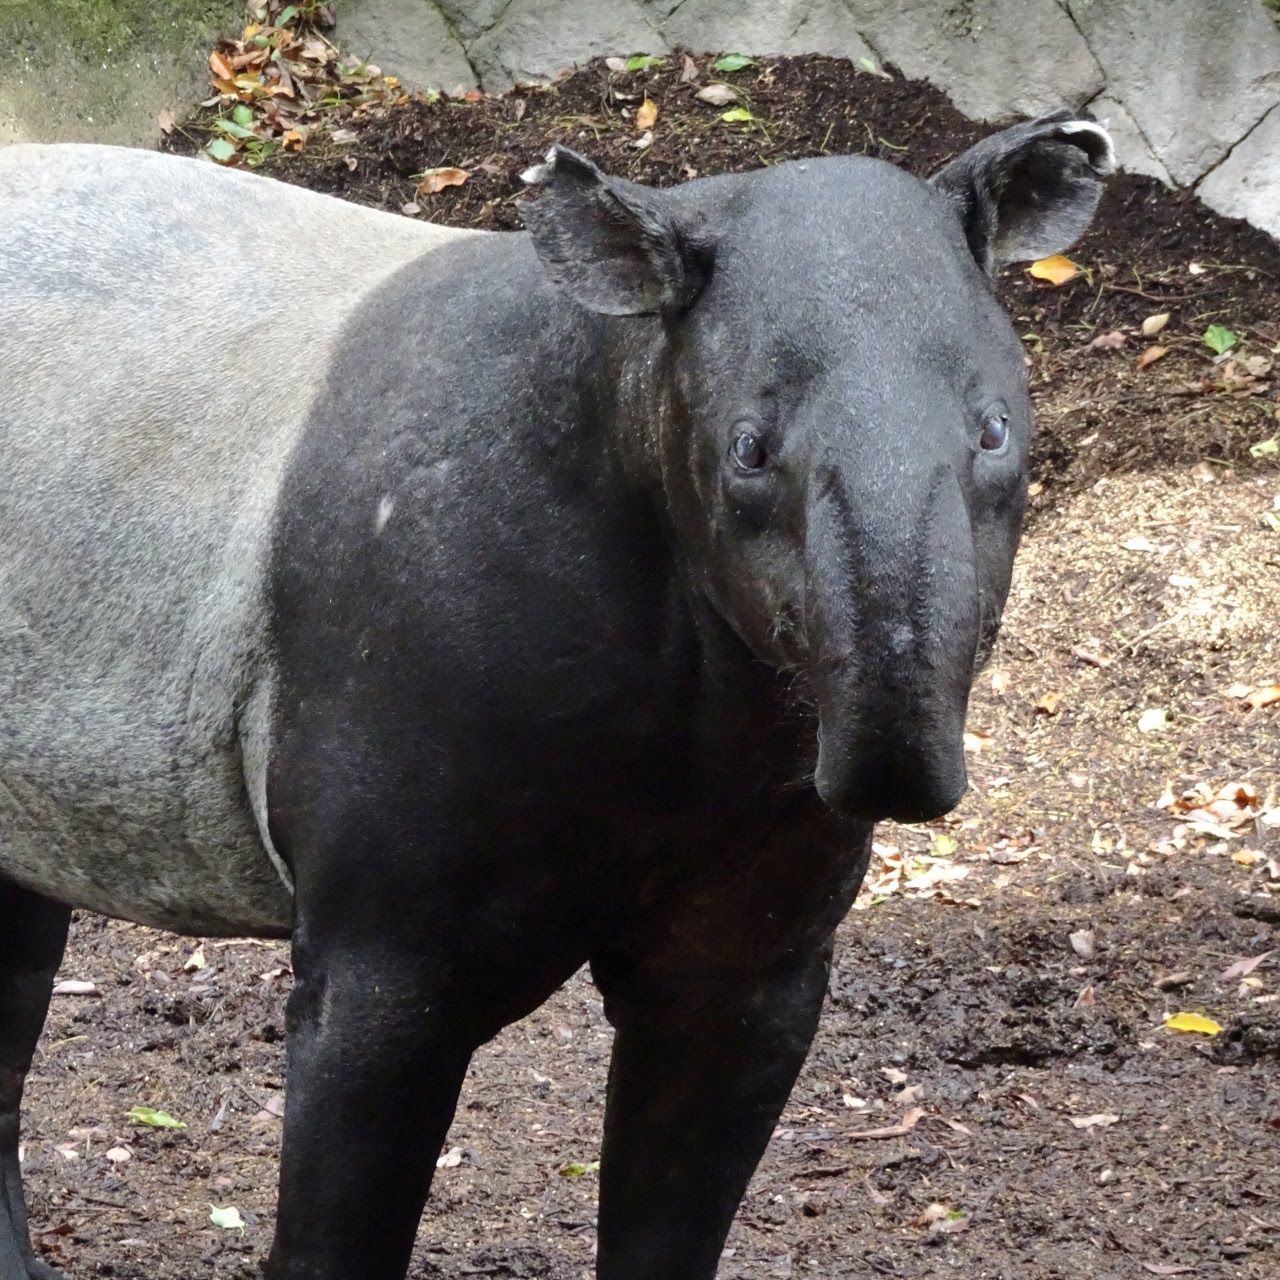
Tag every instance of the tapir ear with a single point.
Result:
(612, 246)
(1029, 191)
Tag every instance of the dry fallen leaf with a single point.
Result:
(1151, 355)
(1112, 341)
(616, 64)
(221, 67)
(165, 120)
(451, 1159)
(118, 1155)
(1263, 696)
(1048, 705)
(689, 71)
(1153, 324)
(1153, 720)
(75, 987)
(647, 115)
(1243, 967)
(909, 1122)
(975, 740)
(1057, 270)
(1095, 1122)
(1195, 1022)
(434, 180)
(718, 95)
(1139, 544)
(1083, 943)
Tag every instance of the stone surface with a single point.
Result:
(1247, 183)
(470, 17)
(408, 38)
(785, 26)
(535, 38)
(102, 72)
(1133, 151)
(1195, 76)
(995, 59)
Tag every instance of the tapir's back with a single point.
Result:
(163, 326)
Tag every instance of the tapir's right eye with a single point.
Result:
(748, 451)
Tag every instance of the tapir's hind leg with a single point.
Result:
(33, 933)
(702, 1065)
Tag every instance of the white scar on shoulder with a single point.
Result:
(386, 505)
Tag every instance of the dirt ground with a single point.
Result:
(1000, 998)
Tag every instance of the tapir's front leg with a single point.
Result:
(702, 1065)
(411, 947)
(373, 1076)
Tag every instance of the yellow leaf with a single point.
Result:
(647, 115)
(1193, 1022)
(434, 180)
(220, 66)
(1056, 270)
(1048, 705)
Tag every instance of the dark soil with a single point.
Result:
(1008, 972)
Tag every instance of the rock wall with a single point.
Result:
(1191, 88)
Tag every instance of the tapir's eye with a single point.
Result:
(995, 431)
(748, 451)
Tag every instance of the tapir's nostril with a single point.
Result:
(888, 784)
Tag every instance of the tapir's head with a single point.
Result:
(842, 420)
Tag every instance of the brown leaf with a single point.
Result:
(1264, 696)
(165, 120)
(221, 67)
(909, 1122)
(689, 72)
(434, 180)
(1151, 355)
(647, 114)
(718, 95)
(1048, 705)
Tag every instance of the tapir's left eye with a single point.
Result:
(995, 431)
(748, 451)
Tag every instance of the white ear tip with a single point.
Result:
(538, 174)
(1106, 162)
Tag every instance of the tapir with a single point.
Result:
(469, 607)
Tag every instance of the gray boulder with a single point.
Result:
(1194, 76)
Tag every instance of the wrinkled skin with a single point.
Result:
(612, 581)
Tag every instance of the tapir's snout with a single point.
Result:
(879, 776)
(898, 618)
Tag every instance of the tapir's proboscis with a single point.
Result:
(471, 607)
